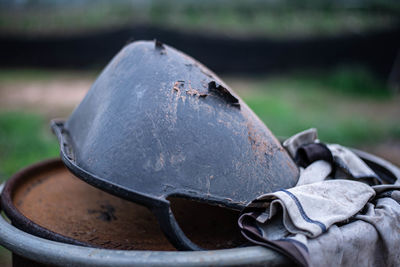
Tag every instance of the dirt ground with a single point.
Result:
(53, 98)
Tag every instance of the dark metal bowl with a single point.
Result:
(158, 124)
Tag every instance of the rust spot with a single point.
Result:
(194, 92)
(178, 85)
(223, 93)
(135, 227)
(259, 143)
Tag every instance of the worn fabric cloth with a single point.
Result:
(309, 153)
(293, 143)
(327, 221)
(306, 148)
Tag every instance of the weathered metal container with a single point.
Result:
(35, 240)
(47, 201)
(158, 124)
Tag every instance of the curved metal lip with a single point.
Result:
(21, 221)
(60, 254)
(27, 225)
(160, 206)
(123, 192)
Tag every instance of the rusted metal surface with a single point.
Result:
(30, 249)
(46, 200)
(156, 125)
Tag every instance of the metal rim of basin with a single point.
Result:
(61, 254)
(33, 215)
(60, 250)
(17, 218)
(57, 253)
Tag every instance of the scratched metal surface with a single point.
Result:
(158, 123)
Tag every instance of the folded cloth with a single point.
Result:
(325, 221)
(350, 164)
(305, 147)
(309, 153)
(312, 208)
(315, 172)
(292, 144)
(371, 238)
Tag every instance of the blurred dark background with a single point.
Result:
(333, 65)
(229, 36)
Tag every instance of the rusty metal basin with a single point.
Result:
(58, 220)
(78, 251)
(46, 200)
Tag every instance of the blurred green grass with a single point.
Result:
(24, 139)
(286, 118)
(276, 18)
(348, 105)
